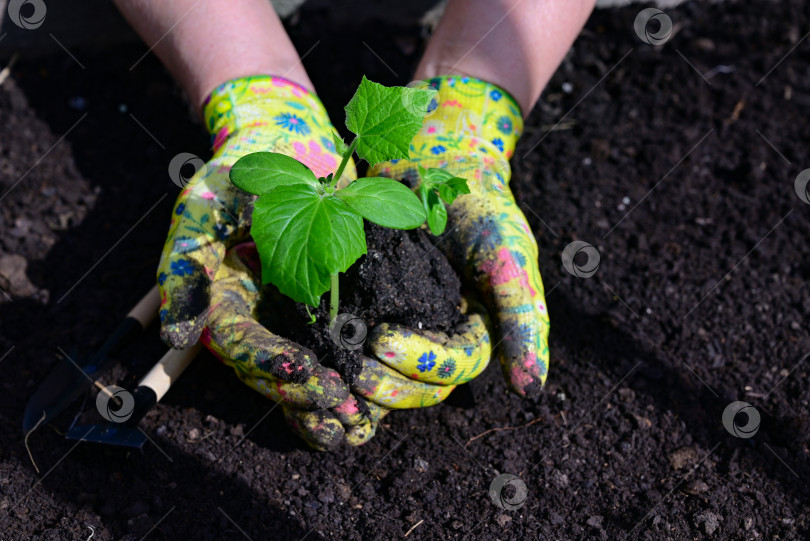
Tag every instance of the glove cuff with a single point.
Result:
(271, 113)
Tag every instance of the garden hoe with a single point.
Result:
(123, 417)
(68, 380)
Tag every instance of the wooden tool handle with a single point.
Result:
(168, 369)
(147, 308)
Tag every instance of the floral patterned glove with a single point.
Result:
(417, 371)
(203, 291)
(379, 388)
(472, 133)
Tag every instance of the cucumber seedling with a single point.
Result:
(306, 229)
(439, 187)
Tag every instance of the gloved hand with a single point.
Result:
(435, 362)
(472, 133)
(210, 285)
(200, 295)
(417, 370)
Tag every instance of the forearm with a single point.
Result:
(204, 43)
(515, 44)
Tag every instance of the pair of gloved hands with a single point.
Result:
(209, 271)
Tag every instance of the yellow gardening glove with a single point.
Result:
(472, 133)
(205, 292)
(417, 380)
(417, 371)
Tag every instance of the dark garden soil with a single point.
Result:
(677, 163)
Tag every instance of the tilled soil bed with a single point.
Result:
(676, 162)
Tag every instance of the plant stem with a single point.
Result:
(343, 163)
(334, 297)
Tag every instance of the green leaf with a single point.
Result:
(459, 185)
(437, 216)
(449, 193)
(384, 201)
(340, 147)
(261, 172)
(435, 175)
(302, 238)
(385, 119)
(423, 194)
(449, 185)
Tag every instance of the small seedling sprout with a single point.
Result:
(307, 230)
(437, 188)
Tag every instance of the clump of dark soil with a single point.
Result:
(403, 278)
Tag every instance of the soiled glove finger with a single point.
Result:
(472, 134)
(251, 114)
(434, 357)
(355, 410)
(279, 368)
(360, 419)
(361, 433)
(323, 389)
(320, 429)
